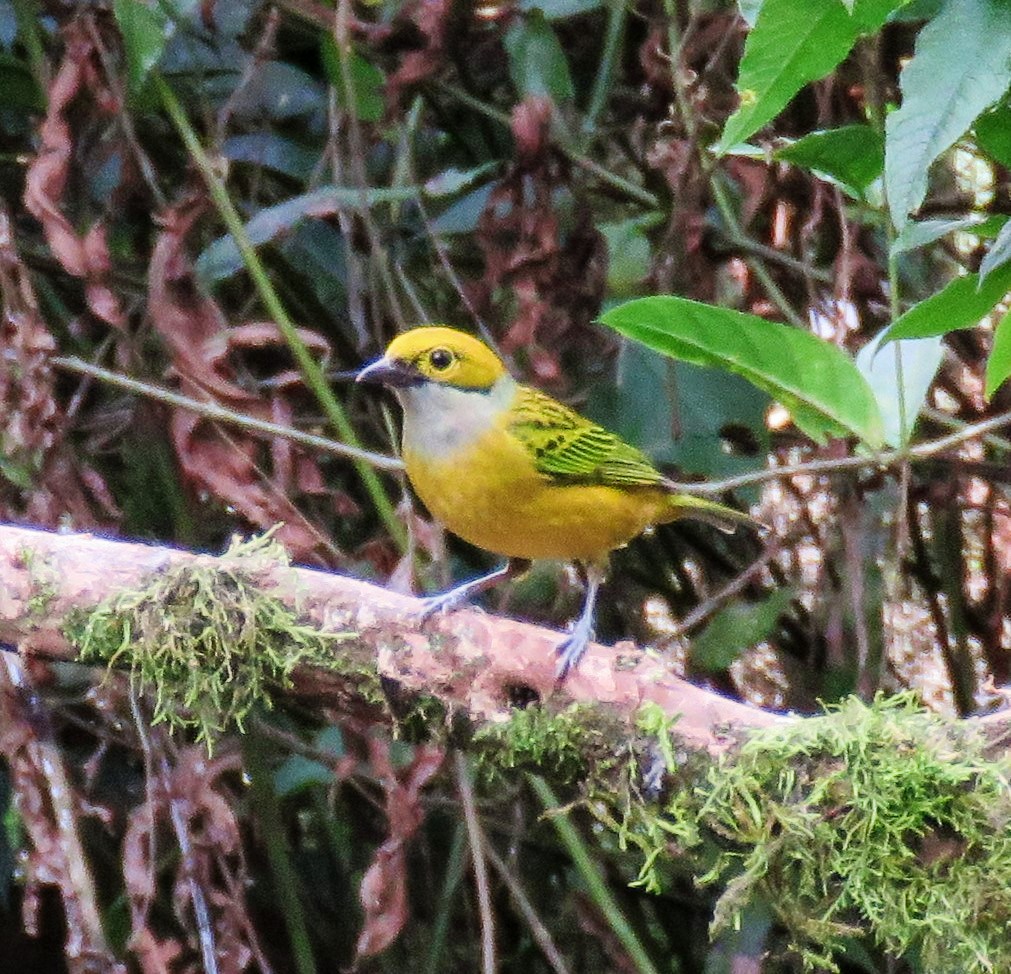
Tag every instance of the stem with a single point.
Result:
(309, 367)
(595, 883)
(267, 810)
(455, 866)
(605, 74)
(476, 838)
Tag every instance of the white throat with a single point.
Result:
(440, 420)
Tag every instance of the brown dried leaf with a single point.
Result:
(383, 892)
(531, 127)
(430, 21)
(86, 257)
(32, 424)
(203, 346)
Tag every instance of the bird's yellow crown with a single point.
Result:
(447, 356)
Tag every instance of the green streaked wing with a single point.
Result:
(568, 447)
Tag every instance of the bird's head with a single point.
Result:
(437, 355)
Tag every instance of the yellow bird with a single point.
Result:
(515, 472)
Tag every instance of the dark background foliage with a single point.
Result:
(517, 169)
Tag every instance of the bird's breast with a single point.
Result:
(489, 492)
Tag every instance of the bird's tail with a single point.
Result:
(718, 515)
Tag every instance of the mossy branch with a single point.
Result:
(882, 820)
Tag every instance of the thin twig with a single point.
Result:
(703, 610)
(878, 461)
(213, 411)
(381, 461)
(477, 851)
(590, 870)
(539, 932)
(201, 911)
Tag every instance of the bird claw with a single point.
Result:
(571, 649)
(437, 604)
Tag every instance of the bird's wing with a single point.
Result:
(569, 448)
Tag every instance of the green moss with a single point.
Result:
(43, 582)
(426, 718)
(886, 821)
(559, 746)
(204, 641)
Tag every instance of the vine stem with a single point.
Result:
(309, 367)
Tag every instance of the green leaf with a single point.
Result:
(629, 252)
(919, 233)
(921, 359)
(998, 254)
(998, 365)
(221, 258)
(961, 66)
(816, 381)
(737, 628)
(298, 772)
(853, 156)
(681, 414)
(462, 215)
(272, 151)
(280, 92)
(963, 303)
(450, 181)
(993, 133)
(19, 87)
(794, 42)
(367, 99)
(537, 63)
(142, 26)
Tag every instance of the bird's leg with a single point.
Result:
(456, 597)
(570, 650)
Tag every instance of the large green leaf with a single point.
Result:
(998, 365)
(961, 66)
(794, 42)
(963, 303)
(816, 381)
(852, 156)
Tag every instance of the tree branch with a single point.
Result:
(470, 661)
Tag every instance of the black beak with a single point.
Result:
(392, 373)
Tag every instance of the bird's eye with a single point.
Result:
(440, 359)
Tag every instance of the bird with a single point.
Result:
(514, 471)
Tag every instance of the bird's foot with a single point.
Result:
(444, 602)
(571, 649)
